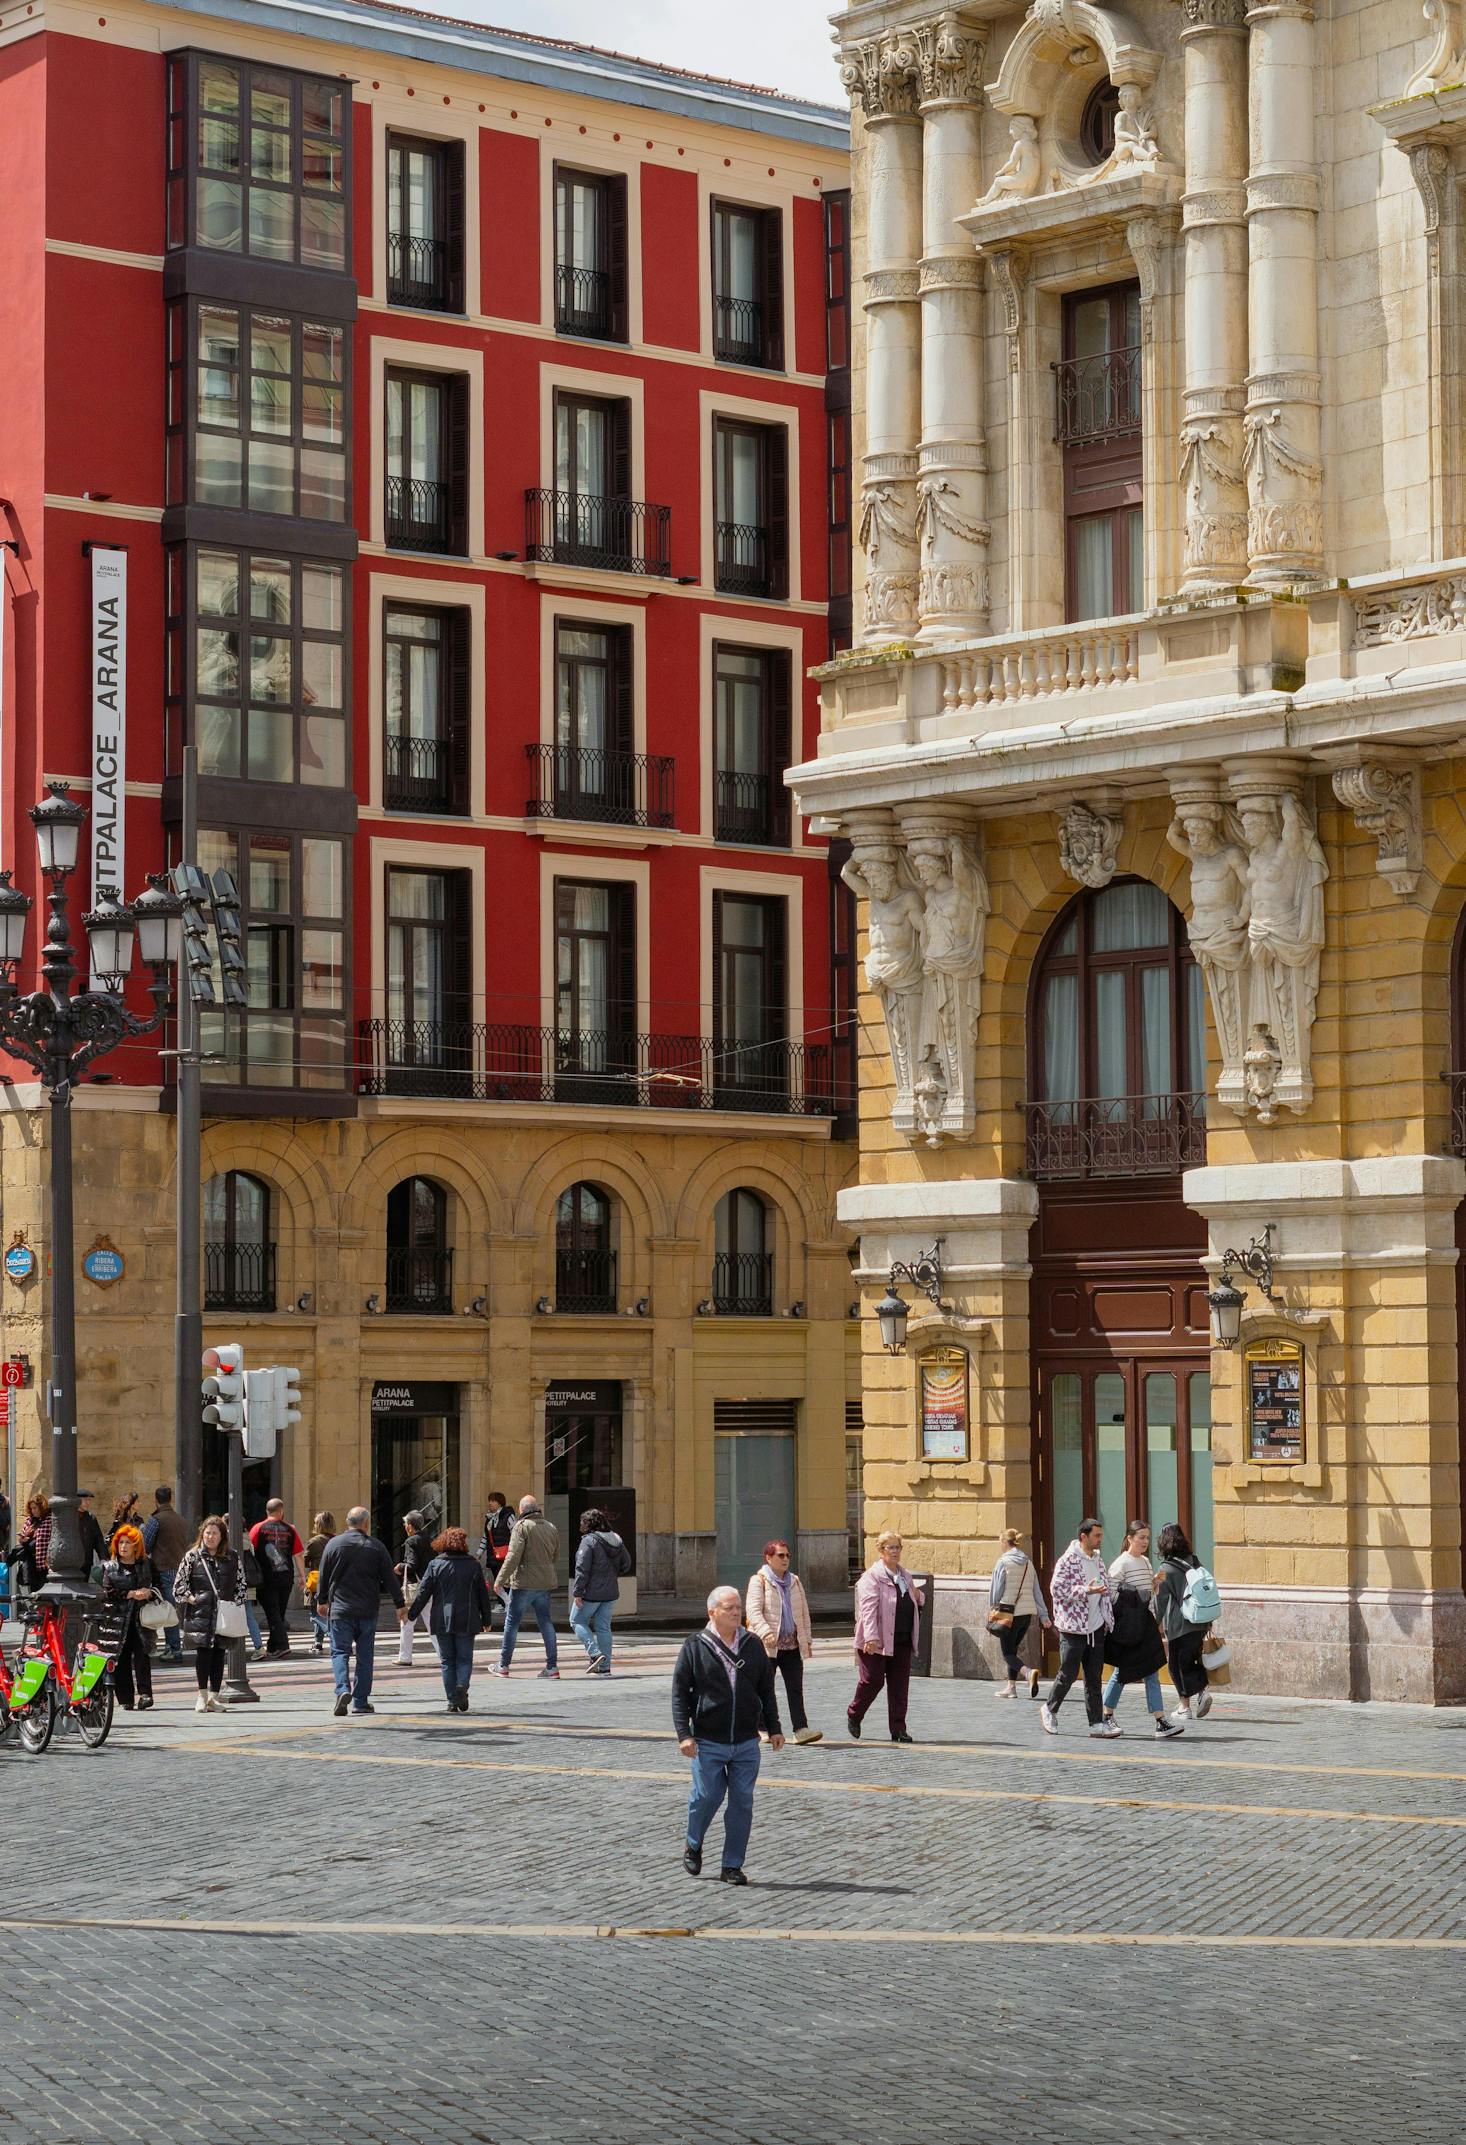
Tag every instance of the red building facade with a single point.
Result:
(470, 409)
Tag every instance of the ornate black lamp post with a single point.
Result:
(60, 1034)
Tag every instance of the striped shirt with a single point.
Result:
(1132, 1571)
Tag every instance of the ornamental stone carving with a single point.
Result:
(949, 587)
(927, 906)
(1446, 60)
(1215, 492)
(950, 58)
(881, 74)
(1384, 797)
(1436, 607)
(1009, 265)
(1088, 842)
(1286, 871)
(1215, 14)
(936, 508)
(1284, 513)
(1205, 833)
(1017, 178)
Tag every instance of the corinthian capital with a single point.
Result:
(1214, 14)
(883, 74)
(950, 54)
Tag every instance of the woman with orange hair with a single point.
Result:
(455, 1595)
(127, 1582)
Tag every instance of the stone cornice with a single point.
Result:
(1075, 211)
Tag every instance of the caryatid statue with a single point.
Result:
(1220, 905)
(955, 892)
(1286, 870)
(878, 874)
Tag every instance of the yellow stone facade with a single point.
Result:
(330, 1181)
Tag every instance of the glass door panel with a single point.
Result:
(1203, 1529)
(1162, 1484)
(1066, 1447)
(1111, 1485)
(753, 1498)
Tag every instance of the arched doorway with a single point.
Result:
(1117, 1059)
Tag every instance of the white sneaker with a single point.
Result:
(1203, 1705)
(1006, 1690)
(201, 1703)
(1181, 1713)
(1110, 1727)
(804, 1735)
(213, 1703)
(1050, 1725)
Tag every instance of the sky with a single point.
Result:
(777, 44)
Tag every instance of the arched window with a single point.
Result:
(1117, 1040)
(743, 1265)
(239, 1257)
(585, 1256)
(419, 1263)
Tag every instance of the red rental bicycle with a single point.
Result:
(27, 1702)
(83, 1684)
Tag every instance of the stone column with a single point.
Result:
(951, 513)
(1282, 425)
(883, 73)
(1215, 228)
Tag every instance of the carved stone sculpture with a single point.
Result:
(879, 875)
(1385, 801)
(954, 929)
(1220, 898)
(1017, 178)
(1088, 841)
(1446, 60)
(1286, 870)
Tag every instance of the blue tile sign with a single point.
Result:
(20, 1261)
(104, 1263)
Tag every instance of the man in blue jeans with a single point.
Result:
(355, 1573)
(524, 1581)
(722, 1694)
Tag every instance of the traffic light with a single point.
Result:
(224, 1387)
(287, 1396)
(261, 1423)
(232, 971)
(192, 889)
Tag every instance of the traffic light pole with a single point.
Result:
(237, 1690)
(188, 1324)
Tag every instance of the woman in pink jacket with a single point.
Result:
(888, 1606)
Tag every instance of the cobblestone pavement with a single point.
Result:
(418, 1927)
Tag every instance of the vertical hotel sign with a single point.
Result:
(109, 718)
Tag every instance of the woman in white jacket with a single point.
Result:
(777, 1613)
(1015, 1594)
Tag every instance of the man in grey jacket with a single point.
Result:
(524, 1581)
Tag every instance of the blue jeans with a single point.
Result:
(254, 1626)
(528, 1601)
(591, 1622)
(721, 1769)
(360, 1632)
(320, 1625)
(455, 1658)
(173, 1639)
(1152, 1692)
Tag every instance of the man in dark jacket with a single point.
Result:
(601, 1562)
(722, 1694)
(165, 1538)
(93, 1541)
(498, 1527)
(417, 1555)
(355, 1573)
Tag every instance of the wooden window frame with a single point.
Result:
(186, 168)
(185, 427)
(605, 323)
(1103, 477)
(454, 652)
(739, 569)
(765, 349)
(443, 291)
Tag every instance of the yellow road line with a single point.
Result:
(809, 1786)
(1170, 1939)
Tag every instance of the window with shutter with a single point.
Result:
(748, 284)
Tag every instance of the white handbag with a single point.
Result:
(158, 1615)
(230, 1621)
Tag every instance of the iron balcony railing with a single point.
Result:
(751, 808)
(1097, 398)
(738, 331)
(583, 302)
(239, 1277)
(585, 529)
(744, 562)
(420, 273)
(419, 775)
(620, 789)
(420, 515)
(585, 1281)
(1116, 1136)
(1458, 1111)
(743, 1284)
(419, 1280)
(505, 1062)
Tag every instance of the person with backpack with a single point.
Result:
(1084, 1611)
(1187, 1603)
(1014, 1599)
(276, 1546)
(1133, 1651)
(601, 1562)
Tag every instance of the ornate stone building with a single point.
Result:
(1148, 753)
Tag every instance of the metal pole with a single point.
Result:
(67, 1563)
(188, 1325)
(237, 1689)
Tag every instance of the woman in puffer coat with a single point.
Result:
(211, 1572)
(595, 1587)
(127, 1582)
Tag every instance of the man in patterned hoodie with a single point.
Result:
(1084, 1610)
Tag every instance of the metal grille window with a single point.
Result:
(590, 254)
(750, 1017)
(585, 1256)
(425, 694)
(427, 461)
(743, 1263)
(748, 284)
(257, 403)
(293, 905)
(258, 161)
(239, 1257)
(751, 509)
(260, 647)
(419, 1261)
(1097, 422)
(425, 224)
(751, 716)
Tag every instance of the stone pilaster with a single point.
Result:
(1282, 426)
(951, 512)
(1215, 228)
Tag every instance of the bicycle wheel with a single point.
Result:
(37, 1721)
(94, 1717)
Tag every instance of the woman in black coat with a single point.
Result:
(209, 1573)
(455, 1595)
(127, 1582)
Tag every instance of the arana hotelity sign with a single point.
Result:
(109, 720)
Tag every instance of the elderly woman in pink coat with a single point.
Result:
(888, 1606)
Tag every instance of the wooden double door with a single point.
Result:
(1122, 1383)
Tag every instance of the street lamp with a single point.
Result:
(924, 1272)
(59, 1033)
(1226, 1299)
